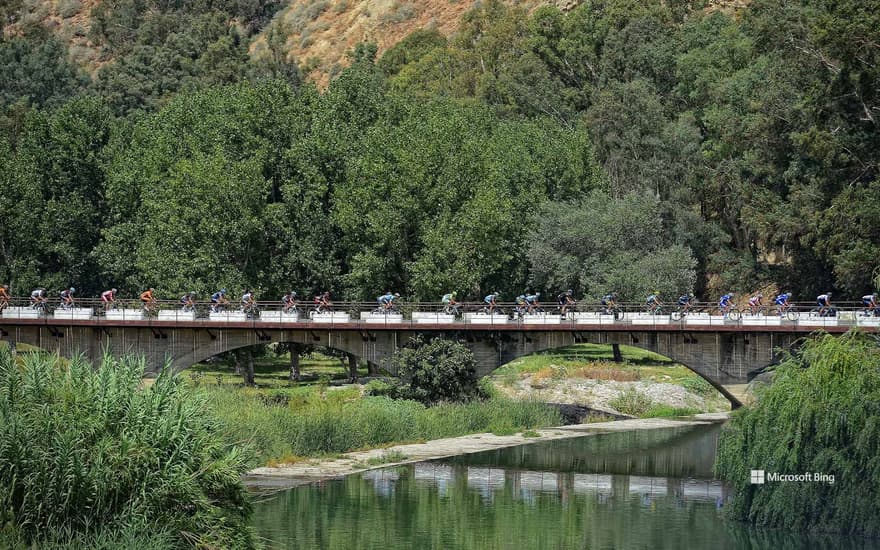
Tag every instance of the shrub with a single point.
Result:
(820, 414)
(440, 370)
(86, 452)
(632, 402)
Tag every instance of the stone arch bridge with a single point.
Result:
(724, 354)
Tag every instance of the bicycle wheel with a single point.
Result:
(791, 315)
(618, 314)
(734, 315)
(676, 315)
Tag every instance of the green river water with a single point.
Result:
(645, 489)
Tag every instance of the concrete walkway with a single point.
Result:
(317, 469)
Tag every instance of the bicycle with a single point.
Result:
(654, 309)
(251, 311)
(824, 311)
(787, 312)
(452, 309)
(614, 310)
(151, 308)
(732, 314)
(567, 311)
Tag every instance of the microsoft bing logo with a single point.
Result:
(757, 477)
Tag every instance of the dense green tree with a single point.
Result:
(437, 371)
(35, 71)
(602, 244)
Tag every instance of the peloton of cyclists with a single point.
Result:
(870, 303)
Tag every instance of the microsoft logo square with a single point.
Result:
(757, 477)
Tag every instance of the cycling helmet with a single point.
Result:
(454, 294)
(72, 289)
(192, 292)
(113, 290)
(397, 295)
(293, 293)
(760, 295)
(569, 292)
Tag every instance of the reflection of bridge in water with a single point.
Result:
(720, 350)
(669, 463)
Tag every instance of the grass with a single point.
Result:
(386, 458)
(87, 453)
(327, 422)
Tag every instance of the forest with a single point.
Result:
(628, 145)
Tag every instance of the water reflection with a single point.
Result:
(617, 491)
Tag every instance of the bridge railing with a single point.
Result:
(432, 313)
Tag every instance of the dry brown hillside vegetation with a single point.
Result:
(320, 32)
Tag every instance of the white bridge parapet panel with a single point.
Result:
(21, 313)
(124, 314)
(864, 321)
(432, 317)
(73, 313)
(228, 316)
(380, 318)
(334, 317)
(486, 319)
(594, 318)
(177, 315)
(649, 319)
(541, 319)
(279, 317)
(704, 319)
(810, 320)
(761, 320)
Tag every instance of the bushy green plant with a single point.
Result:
(85, 452)
(438, 370)
(820, 414)
(632, 402)
(382, 388)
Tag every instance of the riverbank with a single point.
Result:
(308, 471)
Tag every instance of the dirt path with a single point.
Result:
(359, 461)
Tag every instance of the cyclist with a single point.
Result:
(653, 303)
(725, 304)
(782, 303)
(491, 301)
(188, 302)
(532, 302)
(684, 302)
(521, 305)
(322, 302)
(450, 306)
(289, 302)
(4, 297)
(39, 298)
(869, 301)
(148, 299)
(67, 298)
(565, 301)
(386, 301)
(824, 301)
(756, 302)
(609, 303)
(248, 304)
(108, 298)
(219, 301)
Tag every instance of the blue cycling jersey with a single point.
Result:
(725, 300)
(489, 299)
(385, 298)
(867, 299)
(216, 296)
(822, 299)
(684, 300)
(651, 299)
(531, 298)
(781, 299)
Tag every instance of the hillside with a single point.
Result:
(320, 32)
